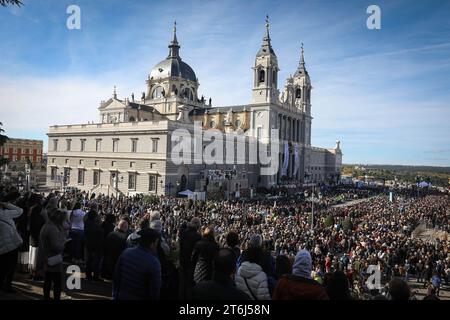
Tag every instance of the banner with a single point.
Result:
(286, 159)
(296, 158)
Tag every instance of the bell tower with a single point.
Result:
(265, 72)
(302, 96)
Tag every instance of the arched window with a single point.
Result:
(309, 94)
(261, 76)
(132, 119)
(174, 90)
(298, 93)
(212, 124)
(274, 78)
(157, 92)
(187, 94)
(237, 123)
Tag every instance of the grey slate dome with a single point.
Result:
(172, 65)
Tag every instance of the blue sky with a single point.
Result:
(384, 93)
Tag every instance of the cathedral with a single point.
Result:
(130, 150)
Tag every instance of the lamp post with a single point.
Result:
(116, 182)
(27, 176)
(418, 181)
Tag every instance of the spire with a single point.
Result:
(174, 32)
(267, 36)
(302, 58)
(174, 46)
(301, 66)
(266, 47)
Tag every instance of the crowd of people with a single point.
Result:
(170, 248)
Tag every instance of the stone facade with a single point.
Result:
(130, 149)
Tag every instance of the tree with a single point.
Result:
(347, 225)
(329, 221)
(4, 3)
(150, 199)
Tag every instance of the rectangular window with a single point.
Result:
(80, 176)
(83, 144)
(55, 144)
(68, 143)
(67, 161)
(132, 181)
(134, 145)
(115, 145)
(98, 145)
(155, 145)
(132, 164)
(53, 160)
(81, 162)
(53, 174)
(96, 178)
(152, 183)
(96, 163)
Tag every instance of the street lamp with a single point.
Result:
(116, 183)
(27, 176)
(63, 180)
(418, 181)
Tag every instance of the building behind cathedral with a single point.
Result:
(129, 150)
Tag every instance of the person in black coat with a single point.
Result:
(222, 285)
(188, 238)
(203, 256)
(35, 223)
(116, 243)
(169, 276)
(93, 245)
(108, 224)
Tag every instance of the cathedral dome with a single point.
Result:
(172, 66)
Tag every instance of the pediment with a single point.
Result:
(112, 104)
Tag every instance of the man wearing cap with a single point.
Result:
(138, 271)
